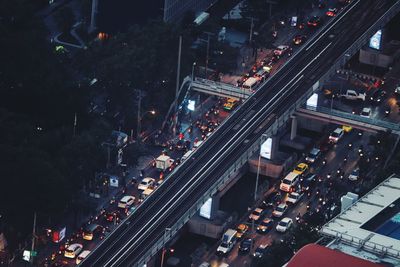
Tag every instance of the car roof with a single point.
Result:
(75, 245)
(294, 194)
(282, 205)
(147, 179)
(302, 164)
(258, 209)
(282, 46)
(315, 150)
(267, 220)
(127, 197)
(338, 130)
(286, 219)
(366, 109)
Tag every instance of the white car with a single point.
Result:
(281, 50)
(126, 201)
(280, 210)
(146, 183)
(197, 144)
(336, 135)
(256, 214)
(285, 224)
(354, 175)
(82, 256)
(73, 250)
(294, 197)
(366, 113)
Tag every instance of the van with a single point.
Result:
(82, 256)
(290, 181)
(251, 83)
(336, 135)
(187, 155)
(92, 231)
(228, 242)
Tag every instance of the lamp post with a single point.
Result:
(164, 249)
(139, 122)
(194, 64)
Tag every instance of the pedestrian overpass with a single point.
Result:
(220, 89)
(340, 117)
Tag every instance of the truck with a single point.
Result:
(163, 162)
(353, 95)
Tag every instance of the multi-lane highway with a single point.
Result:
(136, 236)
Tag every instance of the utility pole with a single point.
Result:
(178, 70)
(139, 125)
(208, 53)
(33, 237)
(251, 30)
(75, 122)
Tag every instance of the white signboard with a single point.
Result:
(312, 101)
(205, 210)
(266, 147)
(191, 105)
(293, 22)
(26, 255)
(376, 40)
(62, 234)
(113, 181)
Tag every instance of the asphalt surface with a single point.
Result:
(136, 235)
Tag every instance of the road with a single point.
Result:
(136, 235)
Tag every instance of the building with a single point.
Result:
(370, 228)
(175, 10)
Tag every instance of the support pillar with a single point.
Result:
(274, 146)
(293, 130)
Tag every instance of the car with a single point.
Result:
(313, 155)
(92, 231)
(366, 113)
(82, 256)
(336, 135)
(294, 197)
(314, 21)
(281, 50)
(354, 175)
(265, 225)
(347, 128)
(284, 225)
(126, 201)
(256, 214)
(307, 182)
(113, 216)
(260, 251)
(299, 39)
(146, 183)
(230, 104)
(241, 230)
(331, 12)
(73, 250)
(301, 168)
(246, 245)
(280, 210)
(377, 96)
(274, 198)
(198, 144)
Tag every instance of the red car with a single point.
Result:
(315, 21)
(331, 12)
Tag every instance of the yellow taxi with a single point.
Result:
(241, 230)
(301, 168)
(347, 128)
(230, 104)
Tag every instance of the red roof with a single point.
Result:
(313, 255)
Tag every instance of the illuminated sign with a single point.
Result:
(293, 22)
(312, 101)
(266, 148)
(376, 40)
(205, 210)
(26, 256)
(191, 105)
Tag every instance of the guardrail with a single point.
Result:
(220, 89)
(374, 124)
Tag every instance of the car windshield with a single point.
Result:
(281, 223)
(265, 223)
(299, 168)
(335, 134)
(293, 196)
(280, 208)
(365, 113)
(224, 245)
(256, 212)
(247, 242)
(286, 181)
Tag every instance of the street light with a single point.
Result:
(166, 230)
(194, 64)
(139, 122)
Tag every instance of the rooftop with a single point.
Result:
(358, 226)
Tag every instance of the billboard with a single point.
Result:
(312, 101)
(191, 105)
(205, 210)
(375, 41)
(266, 148)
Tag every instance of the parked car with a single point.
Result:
(265, 225)
(126, 201)
(353, 95)
(366, 113)
(246, 245)
(73, 250)
(284, 225)
(280, 210)
(146, 183)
